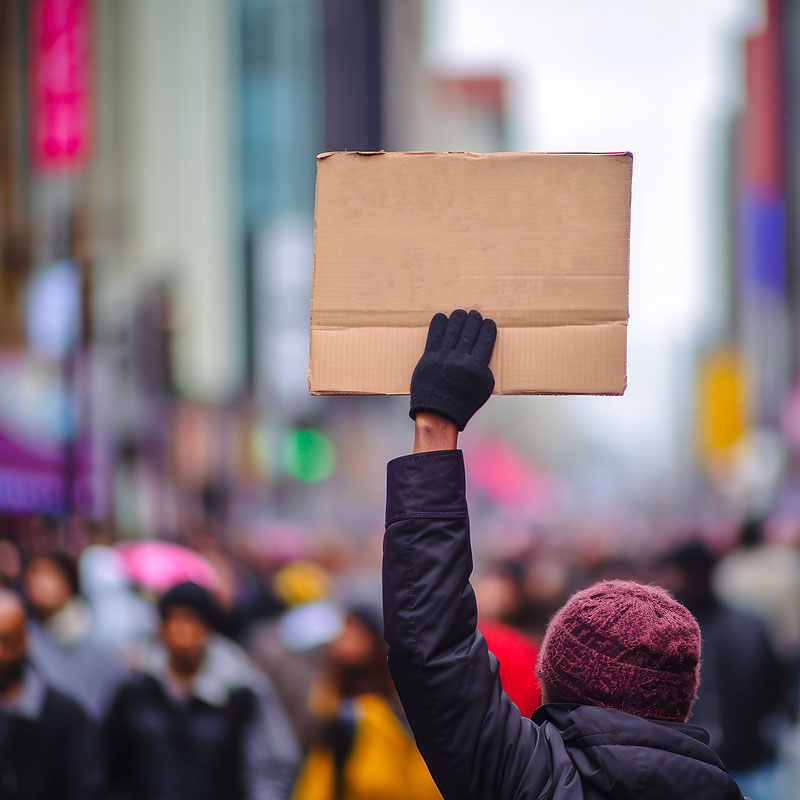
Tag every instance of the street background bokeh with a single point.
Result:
(157, 166)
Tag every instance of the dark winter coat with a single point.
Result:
(49, 748)
(161, 749)
(228, 738)
(476, 743)
(742, 683)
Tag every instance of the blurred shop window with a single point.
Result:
(53, 310)
(283, 286)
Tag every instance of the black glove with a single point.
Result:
(453, 377)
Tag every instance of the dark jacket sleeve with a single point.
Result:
(473, 738)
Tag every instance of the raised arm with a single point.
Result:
(473, 738)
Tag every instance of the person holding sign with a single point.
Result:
(618, 666)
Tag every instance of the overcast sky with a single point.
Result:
(659, 78)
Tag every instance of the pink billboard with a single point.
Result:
(60, 84)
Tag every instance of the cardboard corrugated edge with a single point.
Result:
(313, 281)
(328, 154)
(629, 155)
(614, 391)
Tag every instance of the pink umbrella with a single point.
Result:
(157, 566)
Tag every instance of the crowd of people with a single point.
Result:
(263, 682)
(272, 681)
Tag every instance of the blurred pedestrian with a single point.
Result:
(618, 665)
(49, 748)
(500, 597)
(123, 619)
(516, 656)
(288, 641)
(744, 684)
(10, 564)
(200, 722)
(763, 578)
(363, 748)
(64, 642)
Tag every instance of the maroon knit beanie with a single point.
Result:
(626, 646)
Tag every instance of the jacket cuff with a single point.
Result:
(426, 484)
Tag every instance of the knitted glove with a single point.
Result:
(453, 377)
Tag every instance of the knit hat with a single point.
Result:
(626, 646)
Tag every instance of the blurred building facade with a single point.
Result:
(762, 300)
(163, 226)
(749, 413)
(166, 179)
(174, 201)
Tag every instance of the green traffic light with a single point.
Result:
(309, 456)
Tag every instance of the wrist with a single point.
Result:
(434, 432)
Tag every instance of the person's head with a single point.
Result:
(689, 571)
(13, 638)
(188, 615)
(625, 646)
(361, 640)
(500, 590)
(50, 581)
(357, 657)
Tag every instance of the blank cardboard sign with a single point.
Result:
(537, 241)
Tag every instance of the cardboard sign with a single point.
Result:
(537, 241)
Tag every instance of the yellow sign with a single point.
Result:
(722, 402)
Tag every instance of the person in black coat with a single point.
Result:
(745, 691)
(49, 749)
(618, 666)
(199, 722)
